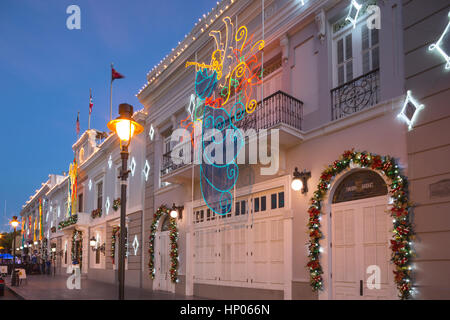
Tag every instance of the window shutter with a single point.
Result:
(348, 56)
(340, 51)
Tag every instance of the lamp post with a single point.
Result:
(125, 127)
(54, 260)
(14, 223)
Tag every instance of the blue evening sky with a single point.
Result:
(47, 70)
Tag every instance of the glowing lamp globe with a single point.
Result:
(35, 243)
(297, 184)
(53, 249)
(14, 223)
(124, 125)
(174, 214)
(92, 242)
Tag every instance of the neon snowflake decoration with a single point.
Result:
(110, 162)
(151, 133)
(438, 45)
(133, 166)
(135, 245)
(146, 170)
(411, 108)
(107, 205)
(353, 13)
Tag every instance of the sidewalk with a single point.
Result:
(43, 287)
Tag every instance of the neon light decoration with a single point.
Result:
(151, 133)
(132, 166)
(135, 245)
(438, 45)
(231, 75)
(72, 188)
(110, 162)
(353, 13)
(146, 170)
(90, 185)
(107, 205)
(411, 108)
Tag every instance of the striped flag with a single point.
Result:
(78, 123)
(91, 103)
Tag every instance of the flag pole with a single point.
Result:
(89, 121)
(110, 97)
(78, 125)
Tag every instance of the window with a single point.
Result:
(100, 195)
(263, 203)
(97, 257)
(281, 200)
(238, 209)
(256, 205)
(273, 201)
(208, 214)
(243, 207)
(356, 52)
(80, 202)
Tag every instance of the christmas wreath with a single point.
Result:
(173, 236)
(116, 204)
(401, 244)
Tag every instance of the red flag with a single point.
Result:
(115, 75)
(91, 104)
(78, 123)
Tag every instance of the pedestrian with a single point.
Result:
(49, 266)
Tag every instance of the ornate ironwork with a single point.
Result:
(356, 95)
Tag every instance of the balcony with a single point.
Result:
(356, 95)
(277, 111)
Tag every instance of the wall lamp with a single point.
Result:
(300, 180)
(93, 244)
(177, 212)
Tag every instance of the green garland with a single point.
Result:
(115, 230)
(97, 213)
(173, 235)
(402, 232)
(116, 204)
(68, 222)
(77, 234)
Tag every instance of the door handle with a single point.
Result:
(361, 288)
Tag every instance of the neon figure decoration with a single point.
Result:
(231, 73)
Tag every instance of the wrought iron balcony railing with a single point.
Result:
(278, 108)
(356, 95)
(274, 109)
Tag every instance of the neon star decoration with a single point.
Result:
(411, 108)
(133, 166)
(151, 133)
(353, 13)
(110, 162)
(438, 45)
(107, 205)
(135, 245)
(146, 170)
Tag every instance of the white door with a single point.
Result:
(162, 273)
(361, 231)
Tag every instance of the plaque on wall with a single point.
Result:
(360, 185)
(440, 189)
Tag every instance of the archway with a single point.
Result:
(167, 248)
(401, 246)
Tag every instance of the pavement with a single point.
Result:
(44, 287)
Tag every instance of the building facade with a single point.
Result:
(330, 81)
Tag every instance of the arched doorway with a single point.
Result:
(361, 229)
(162, 257)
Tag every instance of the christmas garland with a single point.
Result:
(97, 213)
(116, 204)
(173, 235)
(402, 232)
(115, 230)
(77, 234)
(70, 221)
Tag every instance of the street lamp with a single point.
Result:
(14, 223)
(300, 181)
(125, 127)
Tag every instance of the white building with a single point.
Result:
(330, 85)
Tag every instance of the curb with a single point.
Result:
(15, 293)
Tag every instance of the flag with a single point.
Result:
(115, 75)
(78, 123)
(91, 104)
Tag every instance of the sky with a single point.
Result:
(46, 71)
